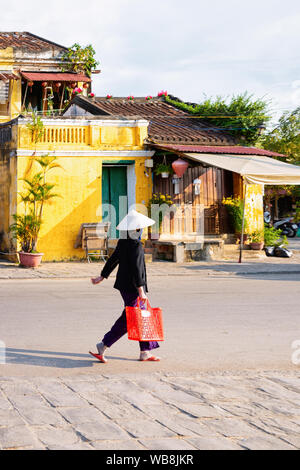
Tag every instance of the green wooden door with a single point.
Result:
(114, 185)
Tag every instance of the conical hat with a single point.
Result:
(134, 220)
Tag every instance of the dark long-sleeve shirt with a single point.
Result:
(129, 256)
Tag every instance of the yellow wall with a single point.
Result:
(79, 182)
(254, 212)
(6, 63)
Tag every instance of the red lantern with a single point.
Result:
(85, 85)
(180, 166)
(58, 85)
(30, 84)
(44, 84)
(73, 85)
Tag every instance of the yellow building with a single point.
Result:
(101, 159)
(102, 146)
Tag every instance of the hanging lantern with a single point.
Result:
(180, 166)
(30, 84)
(85, 85)
(58, 85)
(73, 85)
(44, 84)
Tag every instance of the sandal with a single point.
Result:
(151, 359)
(99, 357)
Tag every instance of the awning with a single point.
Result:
(55, 77)
(5, 76)
(255, 169)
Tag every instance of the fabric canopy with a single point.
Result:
(255, 169)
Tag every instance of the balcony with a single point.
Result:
(83, 134)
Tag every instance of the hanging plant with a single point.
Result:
(148, 98)
(91, 95)
(163, 169)
(162, 93)
(130, 98)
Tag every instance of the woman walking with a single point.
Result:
(131, 281)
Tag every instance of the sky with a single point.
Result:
(190, 48)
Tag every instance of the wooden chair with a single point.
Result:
(95, 240)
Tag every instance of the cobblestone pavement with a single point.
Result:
(158, 268)
(156, 412)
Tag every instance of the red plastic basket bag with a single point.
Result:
(144, 323)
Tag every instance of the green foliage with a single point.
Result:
(159, 199)
(36, 127)
(163, 168)
(285, 137)
(38, 192)
(274, 237)
(26, 228)
(241, 116)
(79, 59)
(235, 208)
(257, 236)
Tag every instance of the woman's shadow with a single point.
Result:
(60, 360)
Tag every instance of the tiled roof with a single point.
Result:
(137, 107)
(25, 40)
(55, 77)
(167, 124)
(5, 76)
(236, 150)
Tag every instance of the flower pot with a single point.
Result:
(164, 174)
(30, 260)
(257, 245)
(239, 236)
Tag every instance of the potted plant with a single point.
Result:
(257, 240)
(235, 208)
(26, 226)
(163, 169)
(158, 200)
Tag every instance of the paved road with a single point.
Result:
(211, 324)
(226, 381)
(258, 411)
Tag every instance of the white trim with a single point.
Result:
(131, 185)
(88, 153)
(89, 122)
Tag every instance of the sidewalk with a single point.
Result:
(158, 268)
(157, 412)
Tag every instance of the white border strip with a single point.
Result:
(88, 153)
(89, 122)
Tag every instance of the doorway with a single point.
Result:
(114, 196)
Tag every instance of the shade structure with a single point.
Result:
(255, 169)
(55, 77)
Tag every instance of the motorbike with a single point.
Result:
(288, 227)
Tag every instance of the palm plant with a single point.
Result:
(38, 192)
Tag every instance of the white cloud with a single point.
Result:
(188, 48)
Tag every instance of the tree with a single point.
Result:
(80, 59)
(284, 138)
(241, 116)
